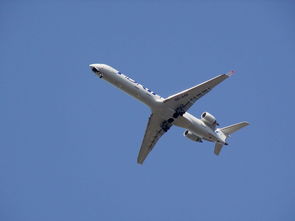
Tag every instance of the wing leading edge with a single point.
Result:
(156, 127)
(185, 99)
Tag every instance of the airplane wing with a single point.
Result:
(185, 99)
(156, 127)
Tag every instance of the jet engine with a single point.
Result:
(192, 136)
(209, 119)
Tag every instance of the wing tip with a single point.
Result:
(139, 162)
(246, 123)
(230, 73)
(140, 159)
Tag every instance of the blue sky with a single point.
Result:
(69, 140)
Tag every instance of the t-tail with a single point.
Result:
(225, 132)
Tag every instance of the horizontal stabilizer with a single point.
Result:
(233, 128)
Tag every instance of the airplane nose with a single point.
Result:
(97, 70)
(93, 68)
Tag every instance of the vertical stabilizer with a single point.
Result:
(218, 147)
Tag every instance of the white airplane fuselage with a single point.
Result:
(155, 102)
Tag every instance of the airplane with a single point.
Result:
(166, 112)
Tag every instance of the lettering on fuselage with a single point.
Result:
(134, 82)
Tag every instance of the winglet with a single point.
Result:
(230, 73)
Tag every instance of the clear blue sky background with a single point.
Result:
(69, 141)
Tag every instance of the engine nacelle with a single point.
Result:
(208, 119)
(192, 136)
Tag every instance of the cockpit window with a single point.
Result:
(94, 69)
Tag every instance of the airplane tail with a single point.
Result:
(226, 132)
(218, 147)
(233, 128)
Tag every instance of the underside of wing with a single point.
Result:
(182, 101)
(156, 127)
